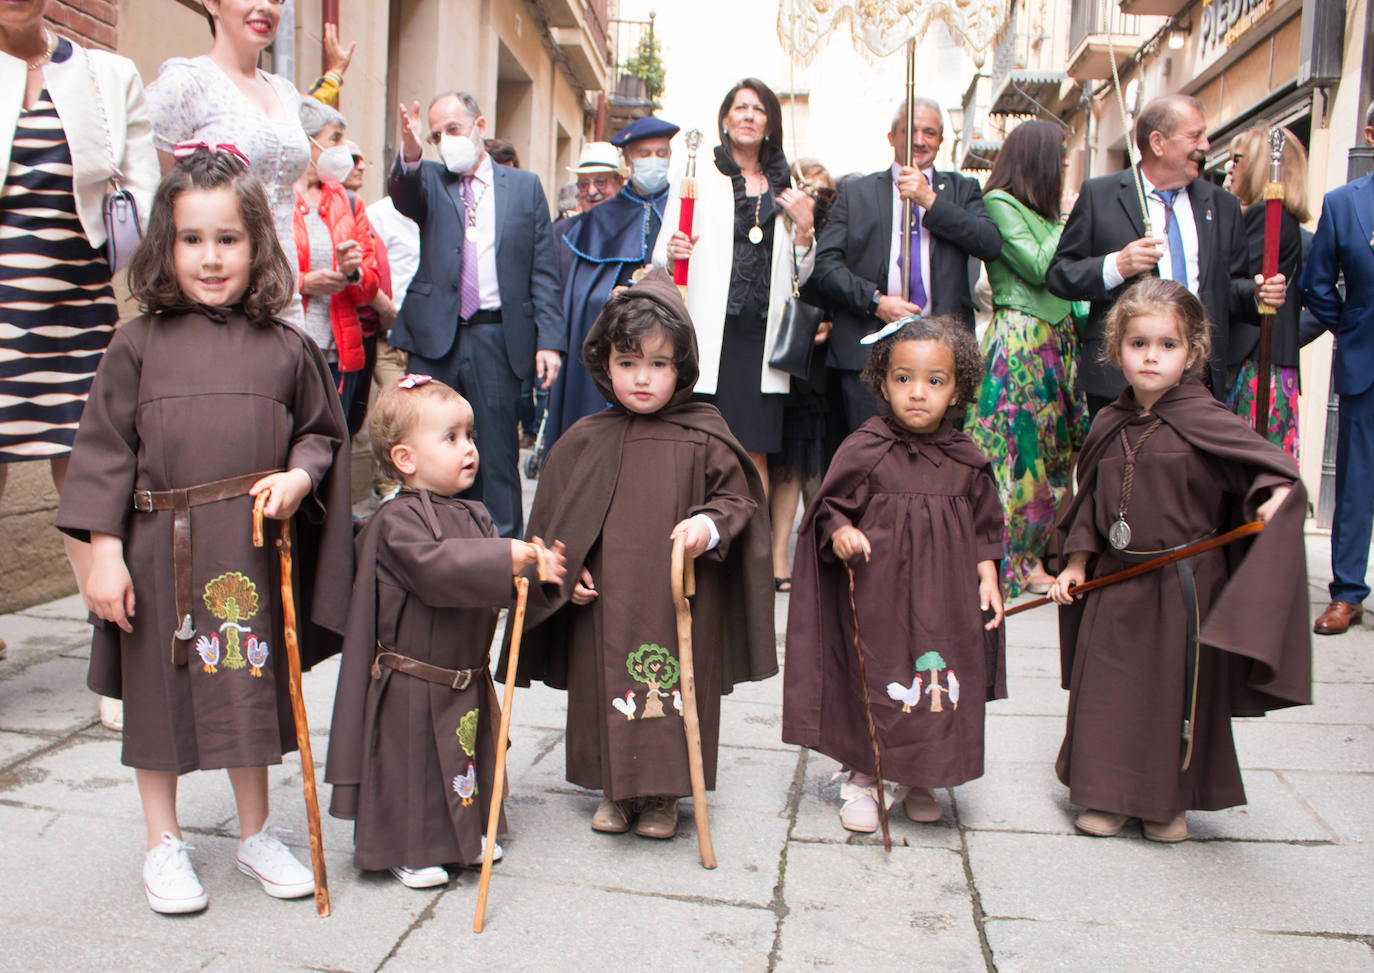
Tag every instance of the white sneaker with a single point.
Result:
(112, 714)
(420, 878)
(495, 857)
(169, 880)
(266, 859)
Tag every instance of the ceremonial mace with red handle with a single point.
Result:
(687, 204)
(1273, 214)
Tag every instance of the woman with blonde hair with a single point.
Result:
(1247, 173)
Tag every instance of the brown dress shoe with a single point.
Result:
(612, 817)
(1338, 617)
(1100, 824)
(658, 819)
(1168, 832)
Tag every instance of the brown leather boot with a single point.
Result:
(1338, 617)
(658, 819)
(612, 817)
(1168, 832)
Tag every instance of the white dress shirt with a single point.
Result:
(483, 234)
(895, 273)
(1187, 228)
(401, 237)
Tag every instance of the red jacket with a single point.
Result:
(346, 218)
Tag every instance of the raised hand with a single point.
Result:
(412, 133)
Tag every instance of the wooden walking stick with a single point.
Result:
(516, 623)
(293, 670)
(868, 714)
(684, 585)
(1136, 570)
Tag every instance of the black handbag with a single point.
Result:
(796, 339)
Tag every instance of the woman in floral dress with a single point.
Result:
(1029, 416)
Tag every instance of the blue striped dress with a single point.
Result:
(57, 308)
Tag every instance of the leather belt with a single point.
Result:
(457, 679)
(492, 316)
(180, 502)
(1188, 586)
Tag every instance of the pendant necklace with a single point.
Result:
(755, 231)
(1120, 532)
(50, 41)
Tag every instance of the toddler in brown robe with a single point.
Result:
(1157, 665)
(910, 504)
(413, 740)
(201, 404)
(618, 487)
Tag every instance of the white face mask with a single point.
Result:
(334, 164)
(650, 175)
(459, 153)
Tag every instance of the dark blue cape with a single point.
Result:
(608, 244)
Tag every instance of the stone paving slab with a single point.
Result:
(818, 815)
(1345, 802)
(47, 697)
(862, 908)
(1032, 696)
(34, 638)
(534, 924)
(1022, 946)
(1297, 746)
(1218, 885)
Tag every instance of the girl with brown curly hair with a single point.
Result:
(205, 402)
(911, 506)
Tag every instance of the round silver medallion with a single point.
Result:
(755, 235)
(1119, 535)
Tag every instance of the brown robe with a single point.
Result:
(191, 398)
(412, 761)
(1124, 647)
(612, 489)
(929, 506)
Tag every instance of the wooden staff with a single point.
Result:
(684, 585)
(1269, 266)
(293, 671)
(1135, 571)
(868, 714)
(498, 781)
(687, 204)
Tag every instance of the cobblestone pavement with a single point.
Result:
(1002, 882)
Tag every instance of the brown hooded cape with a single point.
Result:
(1123, 648)
(189, 398)
(431, 575)
(611, 490)
(929, 506)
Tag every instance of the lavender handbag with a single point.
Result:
(119, 209)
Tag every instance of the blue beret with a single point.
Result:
(644, 128)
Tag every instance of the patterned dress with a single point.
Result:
(1284, 389)
(193, 98)
(57, 308)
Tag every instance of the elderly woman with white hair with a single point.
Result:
(333, 247)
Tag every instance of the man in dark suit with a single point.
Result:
(858, 273)
(482, 312)
(1104, 246)
(1344, 246)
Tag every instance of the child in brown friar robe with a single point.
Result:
(200, 405)
(910, 504)
(413, 740)
(618, 486)
(1156, 666)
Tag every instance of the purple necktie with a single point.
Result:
(469, 294)
(917, 292)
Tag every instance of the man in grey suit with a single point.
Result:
(482, 312)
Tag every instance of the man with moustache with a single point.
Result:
(481, 312)
(1199, 225)
(858, 272)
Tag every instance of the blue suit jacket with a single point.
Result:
(1344, 245)
(526, 263)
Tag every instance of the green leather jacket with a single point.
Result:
(1017, 276)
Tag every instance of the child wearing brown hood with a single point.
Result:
(618, 487)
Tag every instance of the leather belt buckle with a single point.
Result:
(462, 678)
(143, 501)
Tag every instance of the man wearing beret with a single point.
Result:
(608, 244)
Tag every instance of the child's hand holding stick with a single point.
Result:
(990, 592)
(848, 541)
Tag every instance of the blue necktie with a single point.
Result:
(1179, 260)
(916, 291)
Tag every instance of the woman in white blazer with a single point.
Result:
(69, 118)
(752, 232)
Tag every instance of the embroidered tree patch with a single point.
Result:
(234, 598)
(654, 666)
(934, 664)
(465, 786)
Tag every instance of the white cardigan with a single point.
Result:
(713, 255)
(131, 131)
